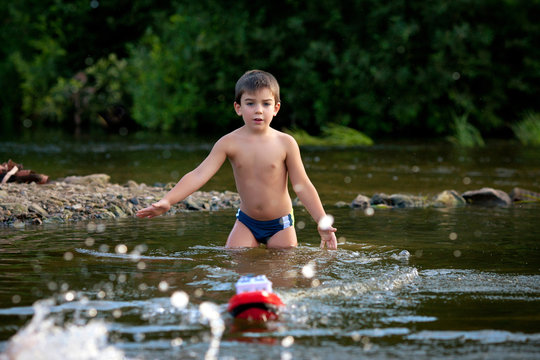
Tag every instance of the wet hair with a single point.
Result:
(255, 80)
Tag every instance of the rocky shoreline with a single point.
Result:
(92, 197)
(487, 197)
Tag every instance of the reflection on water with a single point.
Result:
(428, 283)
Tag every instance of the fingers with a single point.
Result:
(148, 212)
(328, 239)
(332, 245)
(144, 214)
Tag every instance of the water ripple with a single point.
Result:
(133, 257)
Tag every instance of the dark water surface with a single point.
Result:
(424, 283)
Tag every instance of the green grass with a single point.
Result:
(465, 134)
(333, 135)
(528, 130)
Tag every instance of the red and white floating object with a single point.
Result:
(254, 300)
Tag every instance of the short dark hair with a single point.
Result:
(254, 80)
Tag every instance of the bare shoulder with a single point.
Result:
(227, 141)
(287, 140)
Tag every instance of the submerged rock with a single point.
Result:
(342, 204)
(518, 194)
(407, 201)
(397, 201)
(361, 201)
(380, 199)
(487, 197)
(449, 198)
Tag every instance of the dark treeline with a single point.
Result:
(407, 67)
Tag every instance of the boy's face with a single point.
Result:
(257, 108)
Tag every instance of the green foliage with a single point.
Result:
(38, 74)
(465, 134)
(44, 43)
(304, 139)
(184, 71)
(81, 98)
(528, 130)
(381, 67)
(333, 135)
(342, 135)
(160, 86)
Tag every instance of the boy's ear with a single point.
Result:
(276, 108)
(237, 108)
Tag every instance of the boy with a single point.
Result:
(262, 158)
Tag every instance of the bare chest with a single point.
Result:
(262, 159)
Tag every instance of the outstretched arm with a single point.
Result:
(189, 183)
(308, 194)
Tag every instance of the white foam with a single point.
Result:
(43, 339)
(391, 281)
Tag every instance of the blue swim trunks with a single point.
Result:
(264, 230)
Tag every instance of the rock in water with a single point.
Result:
(361, 201)
(518, 194)
(487, 197)
(449, 198)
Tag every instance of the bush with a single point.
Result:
(528, 130)
(79, 100)
(184, 72)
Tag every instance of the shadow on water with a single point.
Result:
(428, 283)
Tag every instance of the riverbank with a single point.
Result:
(92, 197)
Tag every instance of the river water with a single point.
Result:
(424, 283)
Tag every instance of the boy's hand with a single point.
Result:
(328, 237)
(161, 207)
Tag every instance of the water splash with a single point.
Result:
(210, 312)
(403, 255)
(43, 339)
(389, 281)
